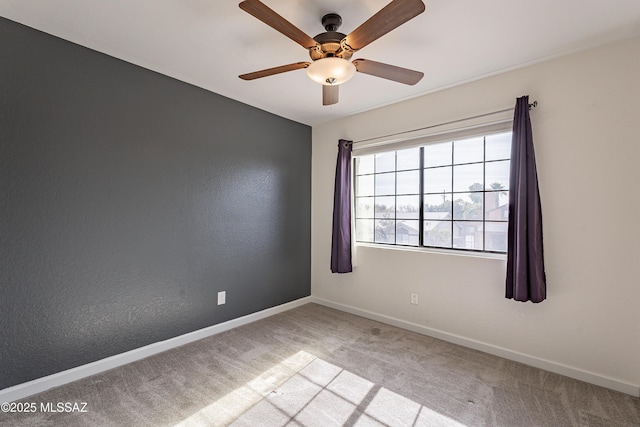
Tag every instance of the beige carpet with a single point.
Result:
(315, 366)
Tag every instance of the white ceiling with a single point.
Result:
(209, 43)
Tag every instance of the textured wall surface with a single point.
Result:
(129, 200)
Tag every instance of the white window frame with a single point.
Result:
(457, 130)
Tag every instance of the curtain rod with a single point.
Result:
(533, 104)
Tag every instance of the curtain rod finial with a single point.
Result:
(534, 104)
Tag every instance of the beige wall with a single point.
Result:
(587, 140)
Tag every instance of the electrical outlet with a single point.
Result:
(414, 299)
(222, 297)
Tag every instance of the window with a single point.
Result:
(450, 194)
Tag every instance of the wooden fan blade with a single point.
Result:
(389, 72)
(388, 18)
(274, 70)
(277, 22)
(330, 94)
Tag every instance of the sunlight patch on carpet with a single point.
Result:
(313, 392)
(231, 406)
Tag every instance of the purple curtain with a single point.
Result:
(341, 237)
(526, 280)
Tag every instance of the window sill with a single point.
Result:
(450, 252)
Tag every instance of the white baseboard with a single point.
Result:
(39, 385)
(547, 365)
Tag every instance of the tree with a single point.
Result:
(470, 210)
(476, 192)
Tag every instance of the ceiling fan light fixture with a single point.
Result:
(331, 71)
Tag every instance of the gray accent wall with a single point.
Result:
(128, 200)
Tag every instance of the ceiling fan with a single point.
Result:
(330, 51)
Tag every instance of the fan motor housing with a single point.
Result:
(329, 46)
(329, 41)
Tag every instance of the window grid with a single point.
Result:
(459, 241)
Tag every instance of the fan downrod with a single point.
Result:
(331, 21)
